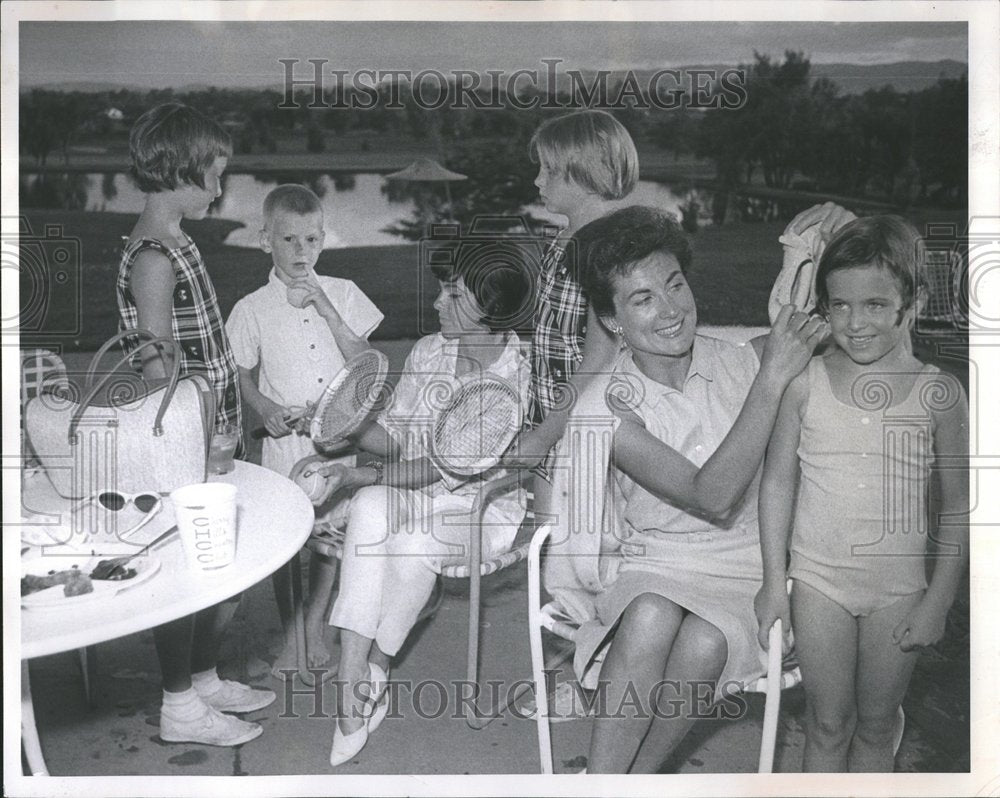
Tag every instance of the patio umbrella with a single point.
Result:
(427, 170)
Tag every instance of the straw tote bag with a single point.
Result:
(125, 434)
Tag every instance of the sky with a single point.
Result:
(176, 53)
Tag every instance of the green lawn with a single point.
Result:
(734, 267)
(732, 275)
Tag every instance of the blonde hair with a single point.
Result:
(292, 198)
(592, 148)
(173, 145)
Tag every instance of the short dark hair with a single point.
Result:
(498, 277)
(612, 245)
(173, 145)
(887, 242)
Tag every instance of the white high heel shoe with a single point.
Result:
(347, 746)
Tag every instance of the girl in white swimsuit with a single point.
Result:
(846, 478)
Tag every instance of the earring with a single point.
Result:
(618, 330)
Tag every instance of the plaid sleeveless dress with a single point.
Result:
(195, 320)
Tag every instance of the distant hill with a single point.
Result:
(902, 76)
(858, 78)
(851, 78)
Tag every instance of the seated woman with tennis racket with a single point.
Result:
(672, 600)
(456, 408)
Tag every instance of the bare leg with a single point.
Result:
(884, 672)
(696, 661)
(287, 659)
(354, 651)
(635, 662)
(380, 658)
(826, 638)
(322, 578)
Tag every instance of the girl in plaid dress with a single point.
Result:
(178, 157)
(587, 167)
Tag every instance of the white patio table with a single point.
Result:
(274, 521)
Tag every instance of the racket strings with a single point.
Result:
(477, 426)
(351, 399)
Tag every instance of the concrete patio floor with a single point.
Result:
(118, 735)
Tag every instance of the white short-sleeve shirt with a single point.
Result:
(295, 350)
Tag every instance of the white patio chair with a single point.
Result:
(782, 671)
(43, 371)
(329, 543)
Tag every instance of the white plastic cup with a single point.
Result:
(206, 520)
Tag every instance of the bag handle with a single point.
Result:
(95, 361)
(93, 390)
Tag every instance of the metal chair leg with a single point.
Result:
(293, 571)
(772, 700)
(88, 667)
(29, 732)
(537, 652)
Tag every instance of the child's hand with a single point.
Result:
(791, 342)
(275, 420)
(922, 626)
(307, 291)
(771, 604)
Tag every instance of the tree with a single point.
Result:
(37, 131)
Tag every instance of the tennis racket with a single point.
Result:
(350, 397)
(476, 426)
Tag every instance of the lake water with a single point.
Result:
(356, 210)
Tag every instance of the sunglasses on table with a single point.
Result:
(147, 504)
(115, 501)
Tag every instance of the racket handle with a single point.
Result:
(261, 432)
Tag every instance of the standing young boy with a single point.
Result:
(299, 329)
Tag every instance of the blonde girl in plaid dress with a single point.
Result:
(587, 167)
(178, 157)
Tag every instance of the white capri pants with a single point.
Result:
(397, 542)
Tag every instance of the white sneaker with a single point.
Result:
(235, 697)
(209, 728)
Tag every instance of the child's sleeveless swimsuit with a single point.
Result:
(861, 521)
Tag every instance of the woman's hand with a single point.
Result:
(310, 463)
(922, 626)
(793, 338)
(771, 604)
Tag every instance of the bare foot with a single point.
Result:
(317, 654)
(287, 660)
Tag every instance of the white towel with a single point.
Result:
(796, 282)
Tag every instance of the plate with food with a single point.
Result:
(66, 581)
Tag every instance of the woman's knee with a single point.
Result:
(704, 641)
(647, 617)
(367, 519)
